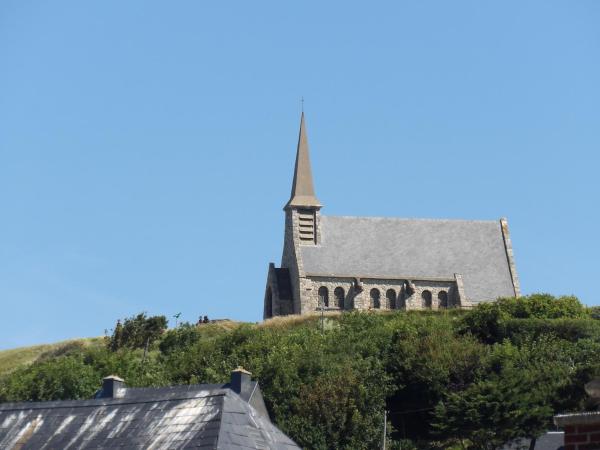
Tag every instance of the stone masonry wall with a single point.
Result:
(362, 300)
(293, 260)
(290, 256)
(278, 306)
(510, 256)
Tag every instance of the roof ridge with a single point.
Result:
(89, 402)
(415, 219)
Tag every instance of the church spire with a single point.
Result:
(303, 191)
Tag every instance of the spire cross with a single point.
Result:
(302, 103)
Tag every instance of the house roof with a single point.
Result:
(198, 416)
(551, 440)
(414, 249)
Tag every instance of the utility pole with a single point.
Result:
(145, 352)
(384, 428)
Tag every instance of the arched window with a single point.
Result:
(323, 297)
(339, 295)
(426, 296)
(269, 304)
(391, 296)
(375, 298)
(443, 298)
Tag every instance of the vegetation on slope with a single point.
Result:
(14, 358)
(448, 379)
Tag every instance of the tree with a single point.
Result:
(492, 412)
(137, 331)
(515, 397)
(427, 359)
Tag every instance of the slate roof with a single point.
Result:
(414, 249)
(181, 417)
(552, 440)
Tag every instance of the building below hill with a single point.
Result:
(222, 417)
(551, 440)
(342, 263)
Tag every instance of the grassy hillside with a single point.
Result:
(15, 358)
(511, 364)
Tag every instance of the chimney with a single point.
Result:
(241, 381)
(112, 387)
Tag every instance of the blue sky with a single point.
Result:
(146, 148)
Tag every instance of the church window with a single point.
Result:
(443, 298)
(323, 297)
(391, 296)
(339, 295)
(426, 296)
(375, 298)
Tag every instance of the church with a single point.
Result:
(342, 263)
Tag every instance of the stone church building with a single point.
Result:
(343, 263)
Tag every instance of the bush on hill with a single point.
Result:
(137, 332)
(64, 377)
(472, 379)
(488, 320)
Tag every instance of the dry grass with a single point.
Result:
(225, 324)
(217, 328)
(293, 319)
(15, 358)
(12, 359)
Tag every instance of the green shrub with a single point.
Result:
(137, 331)
(572, 330)
(487, 321)
(544, 306)
(180, 338)
(66, 377)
